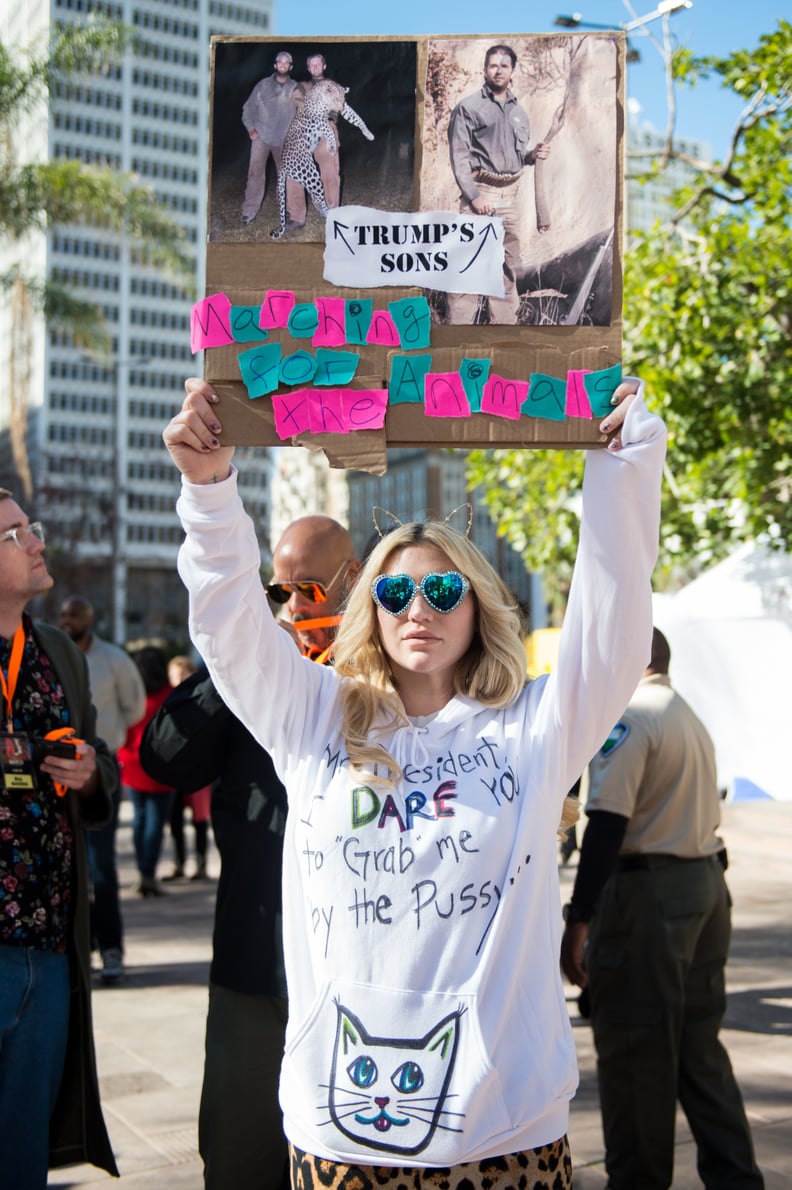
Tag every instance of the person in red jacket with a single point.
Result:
(151, 802)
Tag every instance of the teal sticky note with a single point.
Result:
(474, 373)
(406, 381)
(546, 397)
(297, 368)
(335, 368)
(245, 325)
(413, 320)
(259, 367)
(357, 320)
(600, 387)
(303, 321)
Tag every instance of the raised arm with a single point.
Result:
(606, 636)
(255, 666)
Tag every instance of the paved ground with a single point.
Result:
(149, 1031)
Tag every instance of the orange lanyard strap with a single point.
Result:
(321, 657)
(310, 625)
(9, 681)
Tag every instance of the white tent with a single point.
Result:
(730, 632)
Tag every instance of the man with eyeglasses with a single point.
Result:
(194, 739)
(50, 1113)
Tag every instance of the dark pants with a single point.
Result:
(151, 812)
(656, 960)
(177, 834)
(106, 926)
(240, 1125)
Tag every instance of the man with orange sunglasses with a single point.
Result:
(315, 546)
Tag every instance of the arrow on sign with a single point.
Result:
(338, 234)
(485, 231)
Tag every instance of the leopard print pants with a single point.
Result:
(547, 1168)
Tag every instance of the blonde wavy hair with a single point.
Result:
(493, 670)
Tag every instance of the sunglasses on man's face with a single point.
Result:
(395, 592)
(310, 589)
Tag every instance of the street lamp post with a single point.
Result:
(664, 9)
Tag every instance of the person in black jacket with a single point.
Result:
(194, 740)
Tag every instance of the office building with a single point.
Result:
(648, 198)
(88, 457)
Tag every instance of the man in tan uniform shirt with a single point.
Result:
(647, 935)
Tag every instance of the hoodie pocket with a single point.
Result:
(384, 1074)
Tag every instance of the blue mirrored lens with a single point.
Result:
(443, 591)
(394, 592)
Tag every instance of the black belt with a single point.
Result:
(645, 863)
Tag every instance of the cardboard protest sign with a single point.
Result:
(414, 241)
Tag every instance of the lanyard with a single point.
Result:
(321, 656)
(320, 622)
(9, 681)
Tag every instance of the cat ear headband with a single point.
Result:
(383, 528)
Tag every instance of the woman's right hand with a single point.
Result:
(191, 436)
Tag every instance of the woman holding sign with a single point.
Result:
(428, 1034)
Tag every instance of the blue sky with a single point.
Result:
(708, 27)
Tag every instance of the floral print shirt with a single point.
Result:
(35, 831)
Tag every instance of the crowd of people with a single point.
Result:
(386, 1003)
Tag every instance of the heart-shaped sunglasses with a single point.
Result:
(395, 592)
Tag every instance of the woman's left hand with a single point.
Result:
(621, 400)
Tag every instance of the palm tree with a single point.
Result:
(36, 196)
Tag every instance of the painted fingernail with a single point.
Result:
(614, 444)
(214, 442)
(605, 427)
(215, 427)
(614, 400)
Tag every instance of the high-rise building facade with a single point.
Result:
(648, 197)
(89, 457)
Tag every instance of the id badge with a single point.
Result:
(16, 761)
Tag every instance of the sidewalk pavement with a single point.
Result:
(149, 1029)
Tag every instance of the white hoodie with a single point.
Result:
(427, 1019)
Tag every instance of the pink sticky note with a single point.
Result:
(444, 395)
(577, 402)
(331, 331)
(383, 330)
(327, 411)
(292, 413)
(503, 398)
(364, 409)
(210, 322)
(276, 308)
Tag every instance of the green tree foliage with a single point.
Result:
(40, 194)
(708, 315)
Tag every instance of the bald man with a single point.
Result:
(120, 700)
(313, 565)
(194, 739)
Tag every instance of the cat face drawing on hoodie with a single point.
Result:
(390, 1093)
